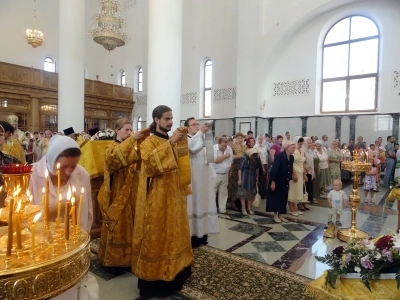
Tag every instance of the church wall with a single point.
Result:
(281, 125)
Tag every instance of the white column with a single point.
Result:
(71, 64)
(165, 57)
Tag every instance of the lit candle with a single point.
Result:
(73, 213)
(47, 202)
(80, 207)
(59, 210)
(33, 233)
(66, 220)
(10, 227)
(44, 203)
(17, 219)
(74, 191)
(58, 179)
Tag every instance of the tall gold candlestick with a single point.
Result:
(80, 207)
(66, 220)
(73, 213)
(17, 219)
(33, 233)
(47, 202)
(58, 179)
(44, 203)
(59, 210)
(10, 227)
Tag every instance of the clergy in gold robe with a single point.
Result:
(161, 248)
(12, 145)
(118, 196)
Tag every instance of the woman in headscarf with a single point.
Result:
(317, 177)
(325, 177)
(238, 150)
(248, 176)
(280, 176)
(121, 179)
(263, 178)
(276, 148)
(64, 151)
(310, 170)
(335, 158)
(296, 188)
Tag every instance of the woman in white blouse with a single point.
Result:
(325, 178)
(263, 180)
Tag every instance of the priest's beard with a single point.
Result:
(165, 130)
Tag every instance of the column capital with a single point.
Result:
(353, 117)
(395, 115)
(338, 117)
(304, 118)
(270, 119)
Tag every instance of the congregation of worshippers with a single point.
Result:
(144, 172)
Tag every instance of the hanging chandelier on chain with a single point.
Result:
(34, 37)
(108, 28)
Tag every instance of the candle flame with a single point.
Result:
(18, 206)
(69, 194)
(59, 197)
(28, 193)
(1, 188)
(43, 190)
(30, 198)
(46, 173)
(58, 166)
(73, 200)
(73, 189)
(37, 217)
(16, 192)
(82, 190)
(1, 210)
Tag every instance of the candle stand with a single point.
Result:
(37, 259)
(356, 167)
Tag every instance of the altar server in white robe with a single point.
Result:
(66, 152)
(201, 206)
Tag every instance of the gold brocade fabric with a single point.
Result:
(118, 204)
(185, 174)
(239, 149)
(161, 246)
(352, 289)
(45, 146)
(393, 195)
(13, 147)
(92, 157)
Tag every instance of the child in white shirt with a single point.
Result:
(337, 199)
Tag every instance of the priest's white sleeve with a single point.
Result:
(196, 143)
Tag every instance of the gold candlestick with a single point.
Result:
(17, 219)
(80, 208)
(47, 201)
(356, 167)
(73, 213)
(33, 232)
(66, 220)
(58, 179)
(59, 210)
(10, 227)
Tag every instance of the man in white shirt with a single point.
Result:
(223, 157)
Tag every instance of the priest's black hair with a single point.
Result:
(157, 113)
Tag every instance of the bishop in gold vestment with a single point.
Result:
(118, 204)
(161, 247)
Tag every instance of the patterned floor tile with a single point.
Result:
(271, 257)
(282, 236)
(277, 228)
(264, 221)
(268, 247)
(247, 228)
(287, 245)
(265, 237)
(237, 215)
(295, 227)
(106, 273)
(252, 256)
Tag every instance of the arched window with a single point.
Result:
(139, 123)
(140, 79)
(350, 66)
(49, 64)
(123, 79)
(207, 88)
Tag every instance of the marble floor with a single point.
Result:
(290, 246)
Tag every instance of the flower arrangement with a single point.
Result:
(103, 135)
(370, 258)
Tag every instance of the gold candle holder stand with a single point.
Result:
(356, 167)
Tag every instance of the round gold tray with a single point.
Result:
(54, 269)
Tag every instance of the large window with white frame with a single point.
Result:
(207, 88)
(350, 66)
(123, 78)
(49, 65)
(140, 79)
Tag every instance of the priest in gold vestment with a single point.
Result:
(12, 145)
(119, 195)
(161, 248)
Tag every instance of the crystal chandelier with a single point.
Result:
(108, 26)
(34, 37)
